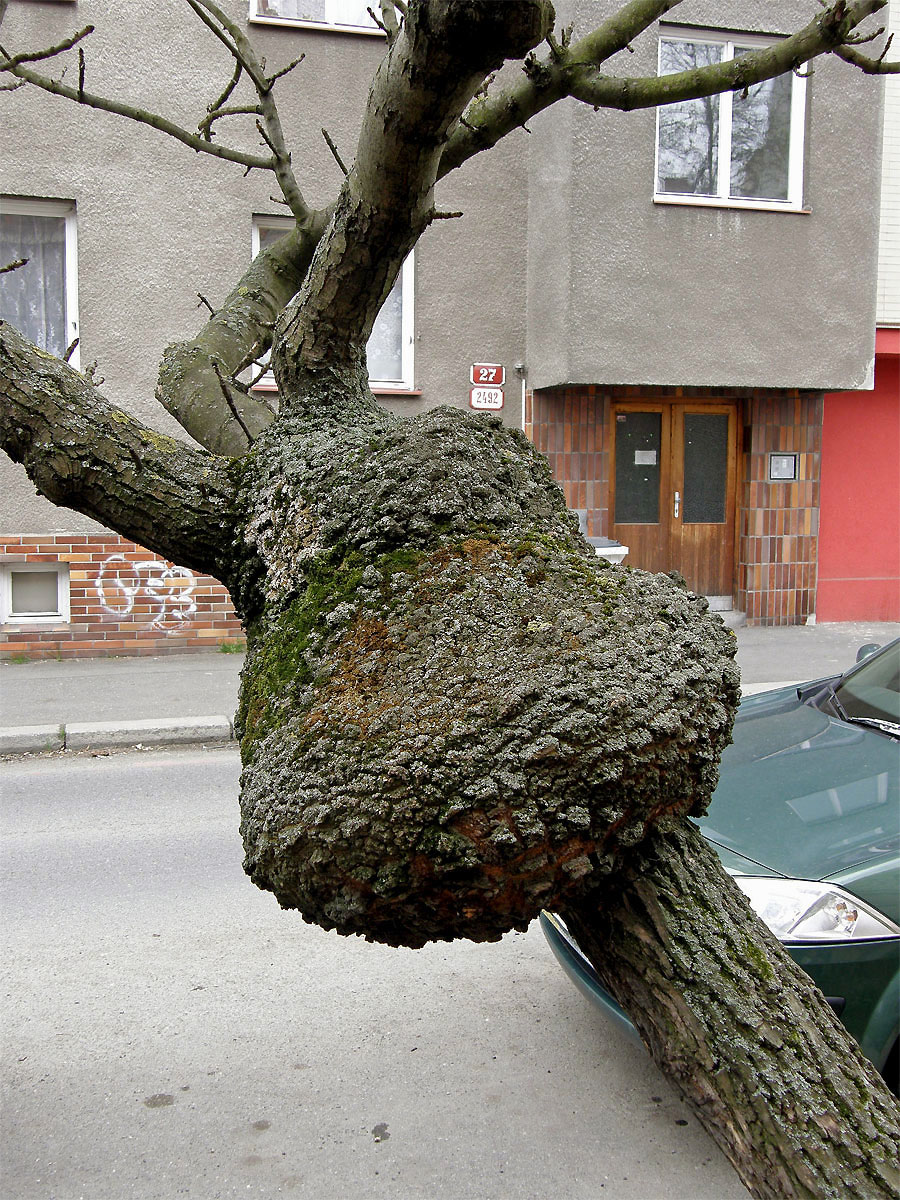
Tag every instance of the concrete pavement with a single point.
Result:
(102, 703)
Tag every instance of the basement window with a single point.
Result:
(31, 593)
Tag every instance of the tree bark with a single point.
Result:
(194, 374)
(431, 70)
(738, 1028)
(452, 714)
(82, 452)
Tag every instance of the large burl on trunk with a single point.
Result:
(452, 713)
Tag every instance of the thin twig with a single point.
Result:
(284, 70)
(70, 349)
(203, 300)
(334, 150)
(14, 265)
(228, 400)
(15, 60)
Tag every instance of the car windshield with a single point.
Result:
(872, 690)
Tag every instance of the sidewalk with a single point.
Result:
(191, 698)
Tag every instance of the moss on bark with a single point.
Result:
(453, 714)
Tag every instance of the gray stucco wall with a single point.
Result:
(157, 223)
(625, 291)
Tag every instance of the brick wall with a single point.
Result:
(569, 426)
(123, 599)
(778, 523)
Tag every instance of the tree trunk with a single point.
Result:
(452, 713)
(738, 1028)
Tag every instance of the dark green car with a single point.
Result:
(806, 818)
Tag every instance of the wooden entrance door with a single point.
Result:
(673, 490)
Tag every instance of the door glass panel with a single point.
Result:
(638, 452)
(705, 468)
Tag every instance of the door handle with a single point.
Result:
(677, 503)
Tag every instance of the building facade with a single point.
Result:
(672, 301)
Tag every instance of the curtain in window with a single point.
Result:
(335, 12)
(384, 350)
(33, 298)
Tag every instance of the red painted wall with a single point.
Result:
(859, 524)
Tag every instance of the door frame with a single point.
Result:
(672, 439)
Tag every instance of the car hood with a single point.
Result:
(803, 794)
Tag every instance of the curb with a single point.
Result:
(110, 735)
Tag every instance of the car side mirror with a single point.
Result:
(866, 650)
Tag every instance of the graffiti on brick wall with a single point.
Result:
(167, 591)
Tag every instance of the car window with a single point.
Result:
(873, 689)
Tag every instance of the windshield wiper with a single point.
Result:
(891, 728)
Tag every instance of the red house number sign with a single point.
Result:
(487, 389)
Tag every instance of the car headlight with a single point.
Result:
(797, 910)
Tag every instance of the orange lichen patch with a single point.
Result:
(356, 693)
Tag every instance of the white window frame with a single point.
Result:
(730, 42)
(33, 206)
(8, 616)
(256, 17)
(384, 387)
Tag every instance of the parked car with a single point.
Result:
(806, 818)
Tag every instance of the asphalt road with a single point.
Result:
(168, 1031)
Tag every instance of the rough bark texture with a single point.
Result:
(452, 714)
(192, 375)
(83, 452)
(738, 1028)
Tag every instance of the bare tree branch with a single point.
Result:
(238, 333)
(142, 116)
(226, 392)
(51, 51)
(241, 49)
(14, 265)
(334, 150)
(871, 66)
(83, 452)
(226, 94)
(388, 21)
(573, 70)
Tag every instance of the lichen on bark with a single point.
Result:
(452, 714)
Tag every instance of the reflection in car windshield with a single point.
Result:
(873, 690)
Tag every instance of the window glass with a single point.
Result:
(33, 298)
(352, 13)
(705, 468)
(688, 132)
(34, 593)
(384, 349)
(743, 147)
(385, 358)
(761, 139)
(638, 448)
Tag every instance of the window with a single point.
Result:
(351, 15)
(34, 592)
(740, 149)
(41, 298)
(390, 349)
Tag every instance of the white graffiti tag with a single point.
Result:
(167, 591)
